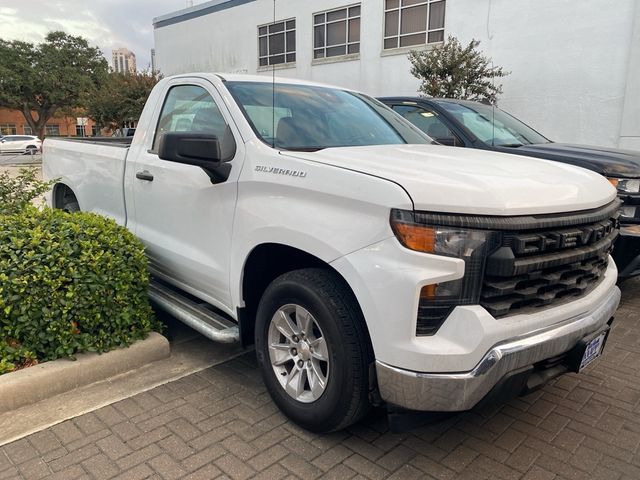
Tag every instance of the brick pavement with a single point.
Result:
(220, 423)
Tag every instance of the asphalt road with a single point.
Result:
(7, 159)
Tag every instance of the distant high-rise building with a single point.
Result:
(124, 61)
(153, 60)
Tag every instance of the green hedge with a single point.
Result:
(69, 283)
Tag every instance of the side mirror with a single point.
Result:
(199, 149)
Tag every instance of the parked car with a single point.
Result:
(20, 144)
(366, 264)
(124, 132)
(477, 125)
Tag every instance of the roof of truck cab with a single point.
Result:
(267, 78)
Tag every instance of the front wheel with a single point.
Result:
(313, 349)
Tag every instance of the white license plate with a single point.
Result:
(593, 351)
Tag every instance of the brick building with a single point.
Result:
(12, 122)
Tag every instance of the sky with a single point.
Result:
(107, 24)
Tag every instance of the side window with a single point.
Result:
(429, 122)
(189, 108)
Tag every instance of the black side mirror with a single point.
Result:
(199, 149)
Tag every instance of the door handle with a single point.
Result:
(145, 175)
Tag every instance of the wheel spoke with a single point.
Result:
(296, 381)
(304, 320)
(280, 346)
(317, 381)
(320, 349)
(285, 326)
(279, 353)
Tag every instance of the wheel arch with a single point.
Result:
(265, 263)
(59, 193)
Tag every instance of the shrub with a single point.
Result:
(69, 283)
(17, 192)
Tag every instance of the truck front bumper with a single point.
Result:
(505, 366)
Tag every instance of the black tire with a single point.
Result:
(30, 150)
(328, 299)
(70, 203)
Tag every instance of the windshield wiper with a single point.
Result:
(510, 145)
(302, 149)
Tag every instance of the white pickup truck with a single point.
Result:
(367, 264)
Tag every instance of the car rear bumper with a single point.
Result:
(504, 362)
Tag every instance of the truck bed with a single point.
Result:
(78, 163)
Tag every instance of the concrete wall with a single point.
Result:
(575, 65)
(630, 128)
(568, 60)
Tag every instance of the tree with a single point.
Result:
(453, 71)
(59, 73)
(120, 100)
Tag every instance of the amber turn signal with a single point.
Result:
(428, 292)
(415, 237)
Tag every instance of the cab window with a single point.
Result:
(190, 108)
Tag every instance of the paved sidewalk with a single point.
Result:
(220, 423)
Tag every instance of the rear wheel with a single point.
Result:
(31, 150)
(313, 349)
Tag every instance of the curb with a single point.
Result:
(39, 382)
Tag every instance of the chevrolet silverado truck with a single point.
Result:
(367, 264)
(465, 123)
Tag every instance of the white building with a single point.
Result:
(124, 61)
(575, 65)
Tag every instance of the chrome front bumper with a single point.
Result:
(442, 392)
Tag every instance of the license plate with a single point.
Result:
(593, 350)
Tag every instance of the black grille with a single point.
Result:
(542, 268)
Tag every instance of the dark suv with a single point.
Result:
(477, 125)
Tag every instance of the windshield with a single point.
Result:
(311, 118)
(493, 126)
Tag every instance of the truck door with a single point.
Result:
(183, 218)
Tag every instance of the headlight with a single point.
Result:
(472, 246)
(626, 185)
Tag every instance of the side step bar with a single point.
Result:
(209, 323)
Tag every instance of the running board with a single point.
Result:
(209, 323)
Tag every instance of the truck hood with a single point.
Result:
(611, 162)
(459, 180)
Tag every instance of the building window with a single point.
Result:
(52, 130)
(8, 129)
(94, 131)
(413, 22)
(277, 43)
(336, 32)
(27, 130)
(79, 130)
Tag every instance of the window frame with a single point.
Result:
(49, 128)
(8, 126)
(399, 35)
(325, 23)
(286, 53)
